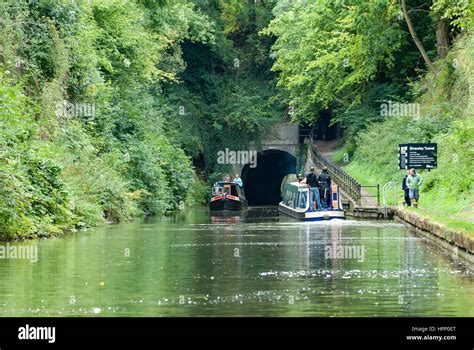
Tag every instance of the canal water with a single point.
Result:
(259, 264)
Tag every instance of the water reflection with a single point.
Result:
(216, 219)
(197, 264)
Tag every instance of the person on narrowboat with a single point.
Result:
(238, 180)
(325, 187)
(314, 188)
(300, 178)
(302, 202)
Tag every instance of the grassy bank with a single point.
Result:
(446, 100)
(436, 204)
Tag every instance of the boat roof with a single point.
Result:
(297, 184)
(220, 183)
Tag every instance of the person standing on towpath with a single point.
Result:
(414, 182)
(406, 190)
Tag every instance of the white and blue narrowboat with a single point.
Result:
(296, 203)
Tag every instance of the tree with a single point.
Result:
(417, 41)
(328, 53)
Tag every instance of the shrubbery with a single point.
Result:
(59, 174)
(137, 62)
(446, 118)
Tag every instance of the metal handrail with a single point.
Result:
(346, 182)
(385, 192)
(385, 196)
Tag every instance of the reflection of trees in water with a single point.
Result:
(313, 241)
(305, 248)
(335, 233)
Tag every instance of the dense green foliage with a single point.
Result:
(157, 87)
(228, 93)
(61, 172)
(350, 57)
(138, 63)
(447, 118)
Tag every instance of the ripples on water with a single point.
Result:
(255, 264)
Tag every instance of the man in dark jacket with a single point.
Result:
(406, 189)
(313, 184)
(325, 187)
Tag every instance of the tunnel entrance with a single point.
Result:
(262, 183)
(322, 129)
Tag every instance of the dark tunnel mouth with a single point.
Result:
(262, 184)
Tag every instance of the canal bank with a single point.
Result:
(455, 241)
(459, 243)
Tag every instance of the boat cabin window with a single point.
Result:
(216, 190)
(302, 198)
(232, 190)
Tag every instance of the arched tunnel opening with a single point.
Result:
(262, 183)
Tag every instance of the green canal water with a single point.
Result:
(261, 264)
